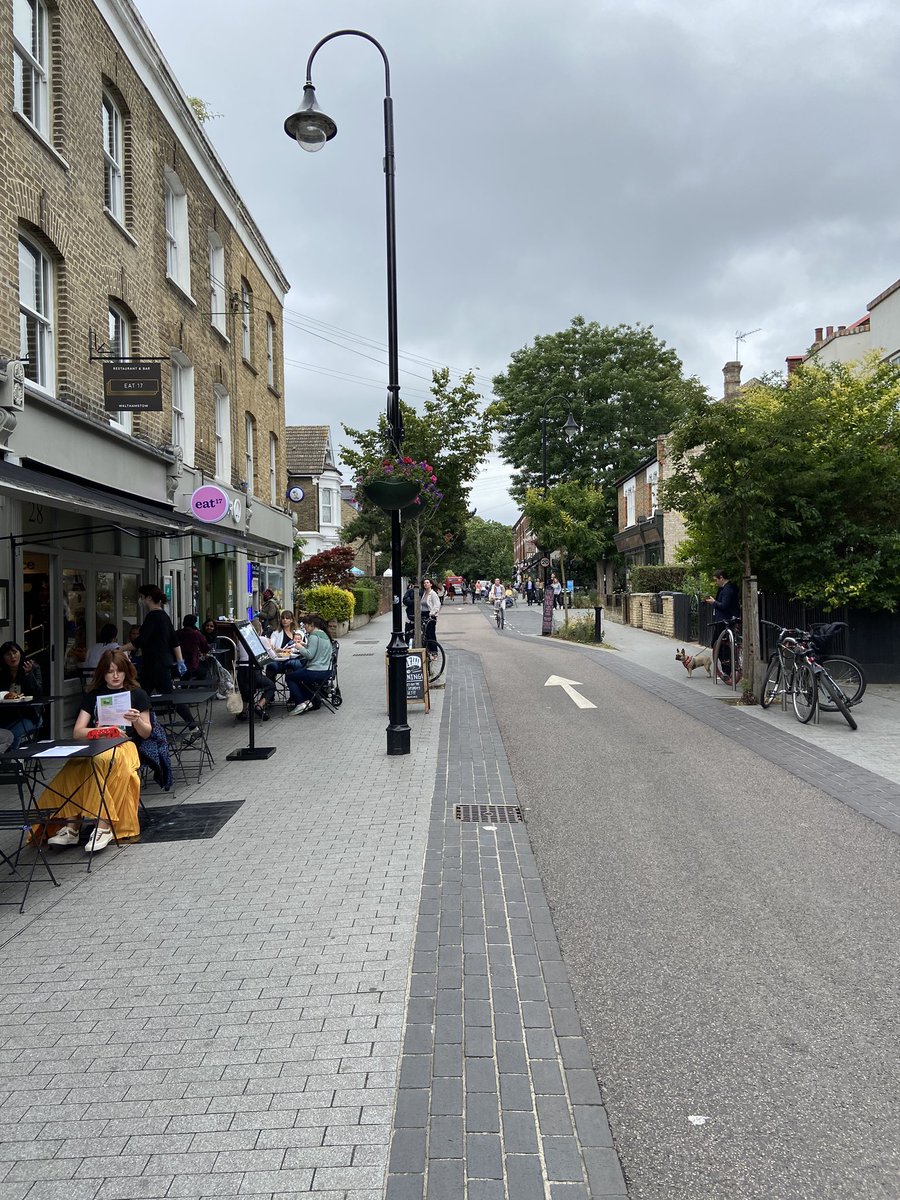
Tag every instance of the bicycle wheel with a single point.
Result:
(771, 687)
(724, 639)
(827, 684)
(849, 677)
(805, 693)
(437, 660)
(500, 616)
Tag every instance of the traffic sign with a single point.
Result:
(545, 562)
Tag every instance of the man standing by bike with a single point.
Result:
(726, 609)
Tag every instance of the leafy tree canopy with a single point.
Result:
(796, 480)
(571, 516)
(486, 551)
(329, 566)
(453, 433)
(623, 386)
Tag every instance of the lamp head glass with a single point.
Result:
(309, 126)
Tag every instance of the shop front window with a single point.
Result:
(105, 603)
(74, 619)
(130, 613)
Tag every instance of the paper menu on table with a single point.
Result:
(111, 708)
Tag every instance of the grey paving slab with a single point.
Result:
(512, 1108)
(226, 1016)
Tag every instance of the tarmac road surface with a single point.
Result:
(730, 932)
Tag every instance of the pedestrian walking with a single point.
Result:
(529, 591)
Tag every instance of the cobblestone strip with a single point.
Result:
(865, 791)
(497, 1098)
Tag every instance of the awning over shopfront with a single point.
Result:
(128, 512)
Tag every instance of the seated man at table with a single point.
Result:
(193, 645)
(115, 805)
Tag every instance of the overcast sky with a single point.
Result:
(701, 166)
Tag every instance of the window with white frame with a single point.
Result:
(326, 506)
(249, 452)
(183, 405)
(218, 309)
(31, 54)
(119, 338)
(270, 350)
(113, 158)
(273, 473)
(246, 309)
(36, 331)
(653, 484)
(178, 250)
(223, 434)
(629, 502)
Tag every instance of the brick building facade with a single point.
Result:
(122, 237)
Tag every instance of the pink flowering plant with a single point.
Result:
(404, 468)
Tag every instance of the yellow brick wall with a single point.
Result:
(55, 193)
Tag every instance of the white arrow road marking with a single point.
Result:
(569, 686)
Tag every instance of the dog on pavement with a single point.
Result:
(692, 661)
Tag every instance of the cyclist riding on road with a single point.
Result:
(497, 594)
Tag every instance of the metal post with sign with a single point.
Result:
(547, 621)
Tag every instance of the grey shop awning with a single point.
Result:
(24, 483)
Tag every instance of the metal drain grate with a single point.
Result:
(363, 654)
(365, 642)
(489, 814)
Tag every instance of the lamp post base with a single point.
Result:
(398, 739)
(398, 732)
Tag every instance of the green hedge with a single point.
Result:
(657, 579)
(367, 598)
(330, 602)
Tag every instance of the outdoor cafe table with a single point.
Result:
(183, 741)
(66, 750)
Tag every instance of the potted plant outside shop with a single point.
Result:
(396, 483)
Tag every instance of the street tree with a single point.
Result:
(452, 432)
(486, 551)
(571, 518)
(796, 481)
(624, 388)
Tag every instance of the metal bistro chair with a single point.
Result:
(20, 819)
(327, 691)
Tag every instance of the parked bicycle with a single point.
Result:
(800, 669)
(728, 654)
(434, 651)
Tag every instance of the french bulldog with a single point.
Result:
(703, 658)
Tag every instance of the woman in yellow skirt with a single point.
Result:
(118, 768)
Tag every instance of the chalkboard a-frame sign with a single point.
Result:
(416, 678)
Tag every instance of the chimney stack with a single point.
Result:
(829, 331)
(732, 373)
(793, 362)
(818, 336)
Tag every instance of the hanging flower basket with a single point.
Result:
(395, 483)
(391, 494)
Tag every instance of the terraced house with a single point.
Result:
(140, 343)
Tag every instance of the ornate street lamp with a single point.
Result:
(311, 129)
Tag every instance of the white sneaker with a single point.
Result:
(98, 841)
(301, 708)
(65, 837)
